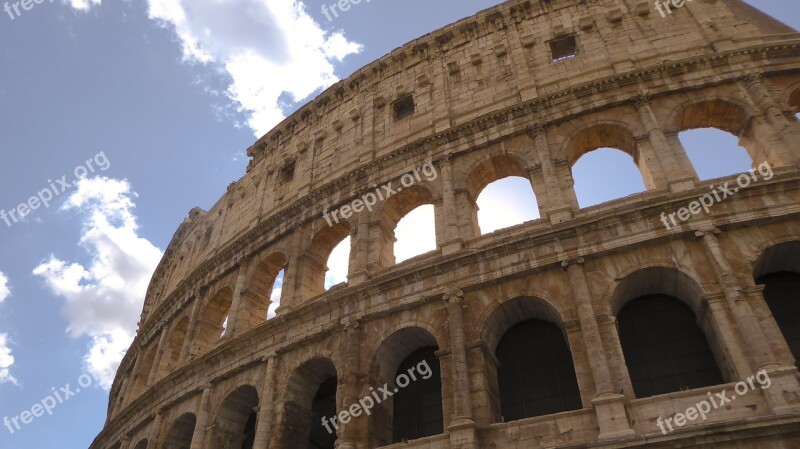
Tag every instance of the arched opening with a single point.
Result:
(536, 375)
(141, 382)
(778, 270)
(715, 153)
(235, 424)
(275, 296)
(180, 434)
(338, 264)
(323, 406)
(719, 138)
(503, 192)
(415, 233)
(665, 350)
(172, 353)
(418, 401)
(594, 186)
(327, 260)
(309, 406)
(259, 299)
(507, 202)
(212, 323)
(142, 444)
(407, 225)
(525, 333)
(597, 152)
(407, 361)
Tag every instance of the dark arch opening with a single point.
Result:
(418, 404)
(234, 427)
(141, 444)
(323, 406)
(665, 350)
(536, 374)
(181, 432)
(782, 293)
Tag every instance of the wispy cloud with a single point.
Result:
(272, 49)
(6, 359)
(104, 299)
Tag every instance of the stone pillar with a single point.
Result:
(359, 255)
(235, 314)
(267, 403)
(609, 406)
(162, 346)
(155, 434)
(348, 434)
(729, 340)
(772, 331)
(452, 241)
(560, 203)
(289, 292)
(134, 377)
(197, 309)
(201, 425)
(784, 136)
(125, 442)
(462, 426)
(784, 395)
(660, 158)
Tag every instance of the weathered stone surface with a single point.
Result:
(489, 101)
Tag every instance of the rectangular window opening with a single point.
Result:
(403, 107)
(565, 47)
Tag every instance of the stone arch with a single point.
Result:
(211, 323)
(172, 353)
(235, 420)
(660, 313)
(794, 98)
(392, 211)
(142, 444)
(313, 262)
(395, 350)
(497, 167)
(778, 270)
(306, 400)
(180, 433)
(257, 296)
(514, 311)
(732, 116)
(657, 280)
(142, 376)
(528, 317)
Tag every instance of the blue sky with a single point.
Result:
(156, 102)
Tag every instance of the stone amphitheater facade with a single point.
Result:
(522, 89)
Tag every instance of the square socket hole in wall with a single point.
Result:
(287, 172)
(404, 107)
(564, 47)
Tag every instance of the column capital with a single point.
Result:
(641, 99)
(752, 78)
(455, 296)
(576, 261)
(536, 129)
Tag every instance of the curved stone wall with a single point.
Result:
(503, 93)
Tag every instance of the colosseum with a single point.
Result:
(590, 327)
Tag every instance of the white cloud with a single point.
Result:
(6, 359)
(5, 291)
(268, 47)
(104, 299)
